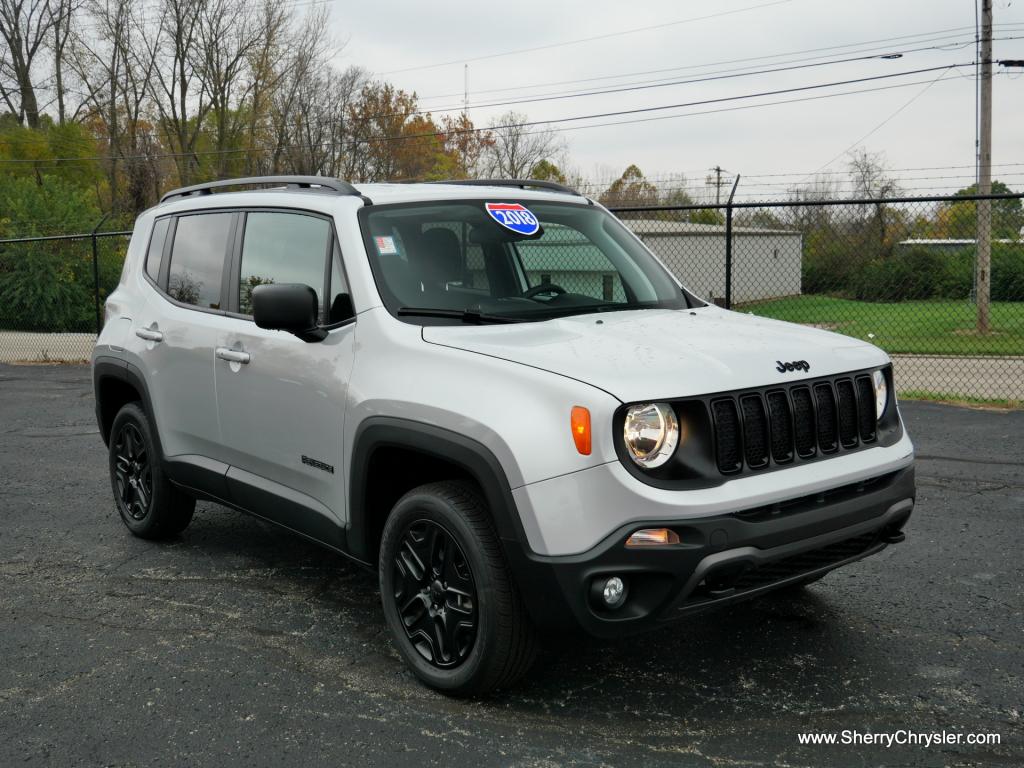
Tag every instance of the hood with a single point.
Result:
(661, 354)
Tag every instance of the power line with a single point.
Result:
(545, 124)
(580, 40)
(916, 39)
(641, 87)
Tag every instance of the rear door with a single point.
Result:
(281, 400)
(177, 331)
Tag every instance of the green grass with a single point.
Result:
(913, 327)
(955, 399)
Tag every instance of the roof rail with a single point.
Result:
(292, 182)
(520, 183)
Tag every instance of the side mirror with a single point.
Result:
(288, 307)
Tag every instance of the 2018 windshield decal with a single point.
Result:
(514, 216)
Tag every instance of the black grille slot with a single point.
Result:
(781, 423)
(803, 422)
(847, 413)
(794, 565)
(727, 435)
(866, 405)
(755, 432)
(826, 403)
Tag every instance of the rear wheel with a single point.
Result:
(150, 506)
(450, 603)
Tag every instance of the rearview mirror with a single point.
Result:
(288, 307)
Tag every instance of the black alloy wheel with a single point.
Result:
(435, 594)
(133, 474)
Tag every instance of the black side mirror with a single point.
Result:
(288, 307)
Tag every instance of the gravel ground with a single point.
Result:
(238, 645)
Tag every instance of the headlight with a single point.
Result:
(881, 393)
(651, 434)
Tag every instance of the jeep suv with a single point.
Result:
(496, 396)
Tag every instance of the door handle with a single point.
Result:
(233, 355)
(149, 334)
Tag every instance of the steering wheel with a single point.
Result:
(537, 290)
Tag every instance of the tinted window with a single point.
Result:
(282, 248)
(197, 258)
(156, 249)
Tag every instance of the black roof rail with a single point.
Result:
(292, 182)
(553, 186)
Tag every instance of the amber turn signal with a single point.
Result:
(652, 537)
(580, 424)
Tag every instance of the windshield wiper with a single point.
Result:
(472, 316)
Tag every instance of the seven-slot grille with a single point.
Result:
(800, 421)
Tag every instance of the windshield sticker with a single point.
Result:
(514, 216)
(386, 245)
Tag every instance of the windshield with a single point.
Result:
(502, 260)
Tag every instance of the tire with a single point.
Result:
(149, 505)
(442, 572)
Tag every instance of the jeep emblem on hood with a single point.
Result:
(796, 365)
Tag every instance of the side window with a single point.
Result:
(283, 248)
(197, 258)
(156, 249)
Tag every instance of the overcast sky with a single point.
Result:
(400, 41)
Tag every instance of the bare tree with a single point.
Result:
(24, 26)
(178, 90)
(871, 181)
(517, 148)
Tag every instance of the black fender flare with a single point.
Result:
(473, 457)
(112, 368)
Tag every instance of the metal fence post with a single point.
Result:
(96, 273)
(728, 244)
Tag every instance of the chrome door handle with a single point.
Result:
(149, 334)
(233, 355)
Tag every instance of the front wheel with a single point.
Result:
(450, 603)
(149, 505)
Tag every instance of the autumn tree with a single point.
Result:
(630, 189)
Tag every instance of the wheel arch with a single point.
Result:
(422, 451)
(115, 384)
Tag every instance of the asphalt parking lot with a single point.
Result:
(238, 645)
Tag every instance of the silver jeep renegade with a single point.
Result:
(496, 396)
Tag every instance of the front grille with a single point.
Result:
(754, 430)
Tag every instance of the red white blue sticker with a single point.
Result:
(514, 216)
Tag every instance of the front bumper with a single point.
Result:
(720, 559)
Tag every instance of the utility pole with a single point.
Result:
(984, 237)
(717, 182)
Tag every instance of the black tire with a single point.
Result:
(482, 636)
(149, 505)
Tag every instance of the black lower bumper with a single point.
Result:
(719, 559)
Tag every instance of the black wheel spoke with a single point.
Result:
(435, 594)
(133, 478)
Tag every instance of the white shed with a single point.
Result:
(766, 262)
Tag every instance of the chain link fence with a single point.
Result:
(52, 291)
(901, 273)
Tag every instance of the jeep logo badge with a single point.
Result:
(796, 365)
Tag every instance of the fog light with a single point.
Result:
(652, 537)
(611, 592)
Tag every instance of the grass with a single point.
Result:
(964, 400)
(909, 327)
